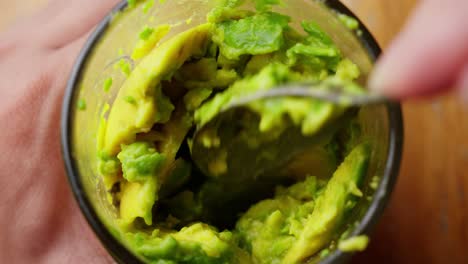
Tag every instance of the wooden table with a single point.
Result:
(427, 220)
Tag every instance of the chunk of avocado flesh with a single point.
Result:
(327, 215)
(126, 119)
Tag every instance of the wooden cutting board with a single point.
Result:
(427, 220)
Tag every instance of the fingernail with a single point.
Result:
(377, 81)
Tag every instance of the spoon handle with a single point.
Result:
(332, 93)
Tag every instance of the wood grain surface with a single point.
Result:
(427, 219)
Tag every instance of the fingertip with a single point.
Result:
(389, 77)
(380, 81)
(400, 79)
(426, 56)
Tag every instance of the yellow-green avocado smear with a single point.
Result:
(171, 213)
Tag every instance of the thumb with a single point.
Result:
(430, 53)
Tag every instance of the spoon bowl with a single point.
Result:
(234, 129)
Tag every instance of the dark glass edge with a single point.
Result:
(394, 154)
(113, 246)
(122, 254)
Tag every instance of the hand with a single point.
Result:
(40, 222)
(431, 54)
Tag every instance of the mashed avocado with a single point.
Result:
(171, 213)
(357, 243)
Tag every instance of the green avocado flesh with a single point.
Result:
(169, 212)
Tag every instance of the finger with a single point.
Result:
(77, 18)
(428, 55)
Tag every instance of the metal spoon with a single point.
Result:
(324, 91)
(232, 159)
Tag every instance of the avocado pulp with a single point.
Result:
(171, 213)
